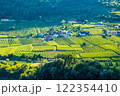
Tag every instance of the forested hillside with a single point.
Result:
(32, 9)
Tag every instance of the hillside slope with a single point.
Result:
(32, 9)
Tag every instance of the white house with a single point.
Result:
(55, 36)
(84, 33)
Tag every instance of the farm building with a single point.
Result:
(5, 20)
(108, 33)
(63, 21)
(84, 33)
(116, 26)
(114, 33)
(55, 36)
(17, 36)
(49, 37)
(40, 34)
(71, 21)
(69, 33)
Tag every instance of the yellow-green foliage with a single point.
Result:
(25, 32)
(114, 38)
(102, 59)
(112, 47)
(94, 30)
(70, 41)
(78, 40)
(3, 50)
(52, 43)
(3, 36)
(36, 41)
(61, 41)
(116, 12)
(99, 54)
(85, 25)
(69, 48)
(116, 59)
(24, 48)
(91, 48)
(13, 50)
(4, 42)
(89, 59)
(44, 48)
(98, 40)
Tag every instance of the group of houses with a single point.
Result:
(117, 26)
(84, 33)
(72, 21)
(109, 33)
(46, 37)
(6, 20)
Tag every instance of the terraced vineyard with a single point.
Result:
(114, 47)
(98, 40)
(93, 47)
(43, 48)
(99, 54)
(69, 48)
(61, 41)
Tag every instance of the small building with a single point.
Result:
(49, 37)
(116, 26)
(63, 21)
(108, 33)
(114, 33)
(69, 33)
(55, 36)
(40, 34)
(44, 39)
(6, 20)
(72, 21)
(18, 36)
(84, 33)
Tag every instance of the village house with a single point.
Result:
(72, 21)
(18, 36)
(69, 33)
(63, 21)
(55, 35)
(108, 33)
(116, 26)
(44, 39)
(84, 33)
(48, 37)
(114, 33)
(6, 20)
